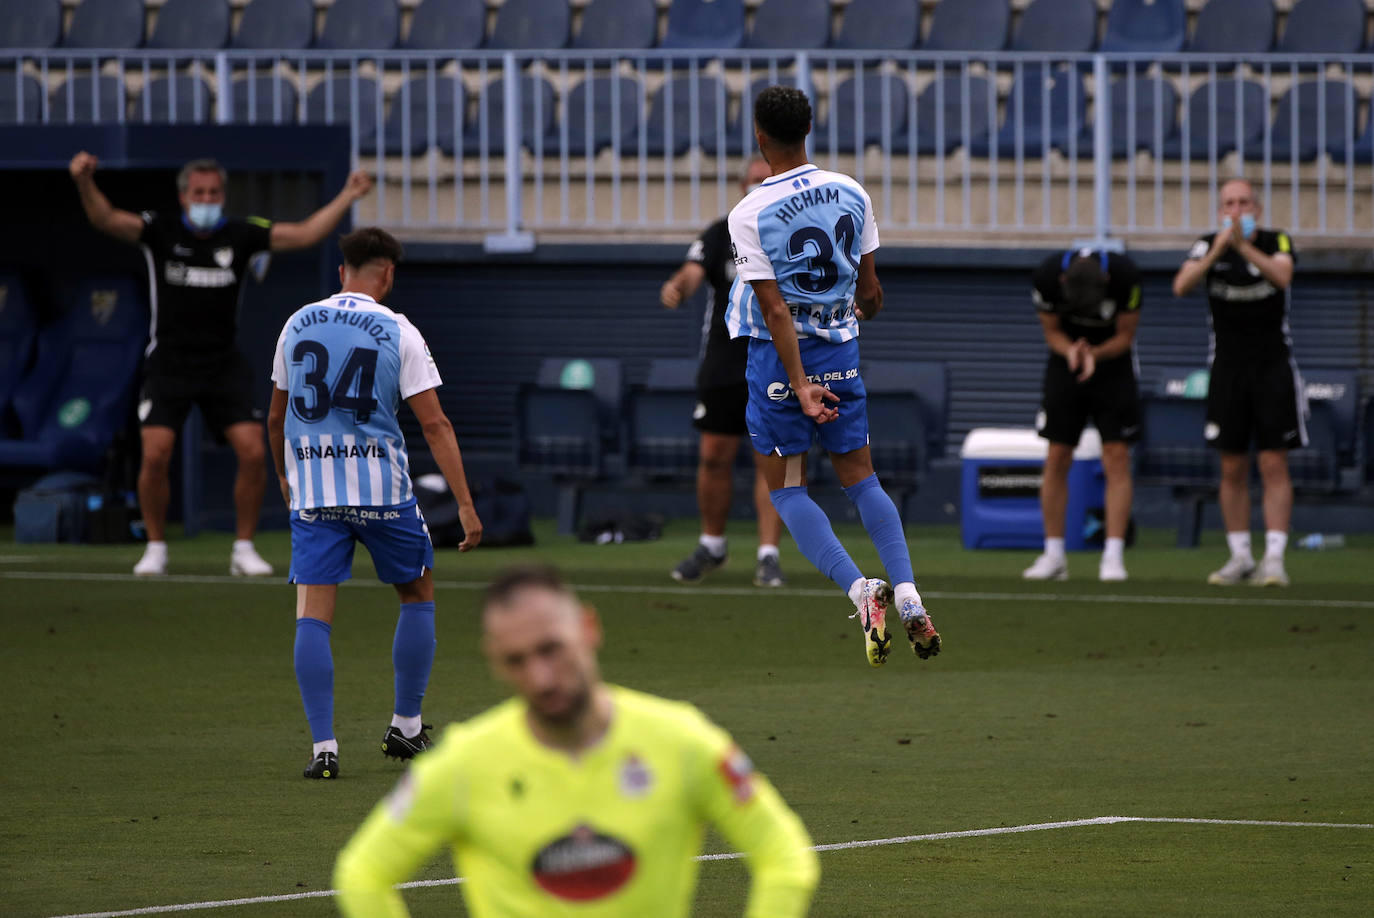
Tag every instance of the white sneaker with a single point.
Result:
(1236, 570)
(153, 563)
(246, 562)
(1111, 569)
(1047, 567)
(1269, 572)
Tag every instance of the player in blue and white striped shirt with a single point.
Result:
(342, 367)
(804, 277)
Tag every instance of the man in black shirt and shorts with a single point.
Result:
(1089, 307)
(1255, 393)
(722, 397)
(197, 259)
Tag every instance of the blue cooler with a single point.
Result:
(1001, 489)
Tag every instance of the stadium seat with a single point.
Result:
(1056, 25)
(1173, 453)
(907, 408)
(32, 25)
(530, 25)
(77, 394)
(330, 102)
(1146, 25)
(790, 24)
(1134, 104)
(710, 106)
(191, 24)
(627, 25)
(1367, 443)
(285, 25)
(969, 25)
(1241, 118)
(603, 376)
(880, 25)
(662, 441)
(1233, 27)
(265, 99)
(1363, 150)
(106, 24)
(1323, 27)
(408, 128)
(362, 25)
(538, 108)
(938, 124)
(597, 112)
(83, 100)
(704, 24)
(1339, 391)
(18, 327)
(21, 102)
(183, 99)
(864, 111)
(447, 25)
(1067, 114)
(1316, 467)
(1323, 109)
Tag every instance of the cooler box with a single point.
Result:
(1001, 489)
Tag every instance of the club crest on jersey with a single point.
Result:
(738, 771)
(224, 256)
(103, 305)
(583, 865)
(635, 777)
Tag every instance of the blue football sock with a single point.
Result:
(884, 524)
(412, 655)
(811, 530)
(315, 674)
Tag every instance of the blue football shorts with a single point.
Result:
(322, 543)
(776, 422)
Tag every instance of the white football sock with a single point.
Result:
(768, 551)
(410, 727)
(714, 544)
(904, 591)
(1054, 547)
(1275, 542)
(243, 545)
(329, 745)
(856, 591)
(1239, 543)
(1114, 549)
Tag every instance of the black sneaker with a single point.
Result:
(700, 563)
(325, 765)
(397, 745)
(768, 572)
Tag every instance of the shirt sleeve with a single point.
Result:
(418, 370)
(279, 377)
(749, 813)
(255, 235)
(152, 234)
(1200, 248)
(1045, 292)
(1283, 245)
(868, 238)
(1125, 280)
(751, 262)
(696, 252)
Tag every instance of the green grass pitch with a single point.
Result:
(155, 738)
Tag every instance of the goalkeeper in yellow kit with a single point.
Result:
(575, 798)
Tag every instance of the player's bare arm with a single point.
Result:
(868, 296)
(104, 216)
(684, 282)
(1195, 269)
(276, 440)
(1119, 343)
(443, 445)
(313, 229)
(811, 396)
(1057, 340)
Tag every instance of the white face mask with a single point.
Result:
(204, 216)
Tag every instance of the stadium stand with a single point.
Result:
(34, 24)
(907, 408)
(1233, 27)
(1144, 116)
(1056, 25)
(867, 110)
(182, 99)
(969, 25)
(880, 25)
(446, 25)
(529, 25)
(790, 24)
(1312, 116)
(937, 123)
(21, 99)
(88, 99)
(704, 24)
(1146, 25)
(331, 102)
(263, 99)
(538, 111)
(283, 25)
(626, 25)
(408, 128)
(18, 327)
(1241, 116)
(360, 25)
(661, 442)
(676, 104)
(600, 110)
(1067, 114)
(106, 24)
(191, 24)
(1323, 27)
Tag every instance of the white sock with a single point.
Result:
(856, 591)
(767, 551)
(243, 545)
(1275, 542)
(714, 544)
(329, 745)
(904, 591)
(1054, 547)
(1240, 544)
(155, 548)
(1114, 549)
(410, 727)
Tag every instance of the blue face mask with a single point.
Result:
(204, 216)
(1247, 225)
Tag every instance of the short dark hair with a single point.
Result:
(200, 165)
(784, 114)
(370, 244)
(520, 576)
(1085, 284)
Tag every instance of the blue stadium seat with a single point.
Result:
(969, 25)
(938, 125)
(106, 24)
(790, 24)
(711, 107)
(361, 25)
(1067, 114)
(907, 412)
(530, 25)
(285, 25)
(1056, 25)
(1324, 109)
(1363, 150)
(600, 98)
(1316, 467)
(1234, 27)
(191, 24)
(265, 99)
(880, 25)
(1133, 118)
(662, 441)
(867, 100)
(97, 101)
(1146, 25)
(1323, 27)
(705, 24)
(447, 25)
(21, 102)
(34, 24)
(77, 394)
(1242, 114)
(182, 100)
(538, 109)
(602, 376)
(408, 128)
(1339, 391)
(18, 327)
(1172, 450)
(330, 102)
(622, 24)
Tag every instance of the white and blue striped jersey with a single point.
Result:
(346, 363)
(806, 229)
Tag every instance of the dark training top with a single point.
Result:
(723, 358)
(1123, 295)
(1249, 314)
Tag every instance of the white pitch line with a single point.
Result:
(837, 846)
(1094, 598)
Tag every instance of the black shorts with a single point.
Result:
(1110, 398)
(224, 392)
(720, 410)
(1255, 401)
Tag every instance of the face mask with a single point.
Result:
(204, 216)
(1247, 224)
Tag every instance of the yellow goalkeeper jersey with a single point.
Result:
(611, 833)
